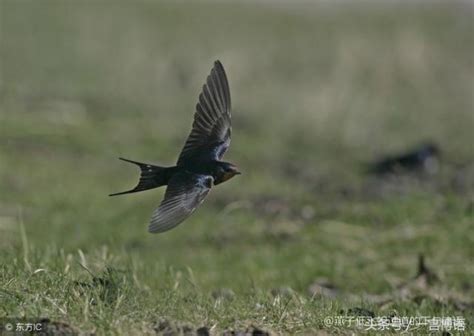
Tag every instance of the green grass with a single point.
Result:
(317, 92)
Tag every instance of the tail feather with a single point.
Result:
(150, 177)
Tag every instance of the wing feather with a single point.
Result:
(211, 132)
(185, 192)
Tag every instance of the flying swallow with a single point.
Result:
(424, 158)
(199, 165)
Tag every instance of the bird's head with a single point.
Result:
(429, 150)
(226, 171)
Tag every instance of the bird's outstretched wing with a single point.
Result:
(184, 194)
(210, 136)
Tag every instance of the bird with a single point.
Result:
(424, 158)
(199, 166)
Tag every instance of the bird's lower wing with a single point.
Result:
(185, 192)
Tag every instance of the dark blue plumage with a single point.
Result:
(199, 165)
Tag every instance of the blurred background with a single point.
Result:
(320, 90)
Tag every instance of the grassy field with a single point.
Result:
(304, 234)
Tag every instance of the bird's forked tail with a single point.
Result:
(150, 177)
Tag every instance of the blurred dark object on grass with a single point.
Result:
(422, 159)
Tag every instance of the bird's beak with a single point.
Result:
(238, 173)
